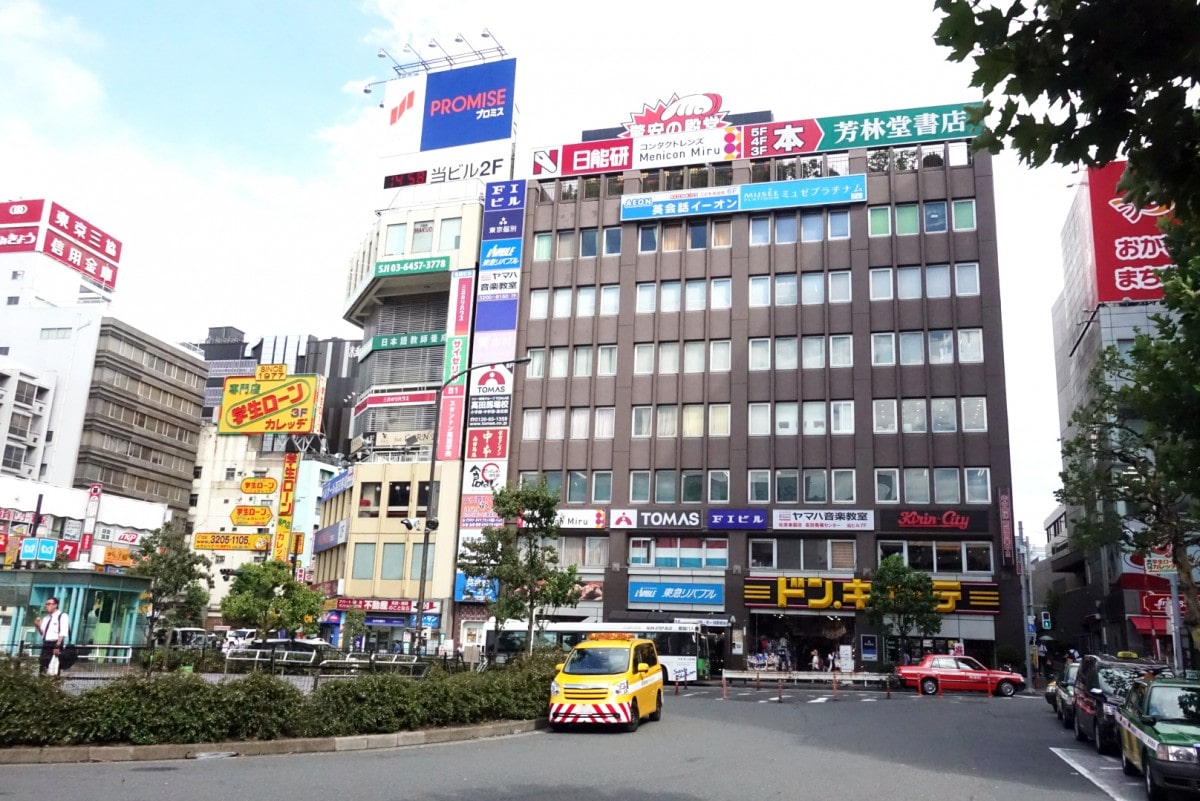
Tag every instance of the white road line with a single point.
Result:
(1070, 756)
(820, 700)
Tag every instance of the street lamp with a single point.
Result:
(431, 521)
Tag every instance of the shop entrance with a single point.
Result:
(788, 640)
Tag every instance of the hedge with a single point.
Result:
(184, 708)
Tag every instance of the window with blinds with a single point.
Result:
(842, 555)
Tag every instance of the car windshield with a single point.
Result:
(597, 661)
(1175, 703)
(1068, 676)
(1116, 679)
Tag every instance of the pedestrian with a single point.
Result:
(906, 658)
(816, 660)
(831, 661)
(55, 629)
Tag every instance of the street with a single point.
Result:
(749, 746)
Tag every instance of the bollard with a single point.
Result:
(888, 684)
(835, 692)
(677, 685)
(781, 689)
(724, 689)
(757, 681)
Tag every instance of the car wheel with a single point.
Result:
(657, 713)
(1079, 735)
(1058, 713)
(1067, 719)
(1127, 767)
(1006, 689)
(1100, 742)
(635, 717)
(929, 686)
(1154, 790)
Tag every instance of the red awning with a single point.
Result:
(1149, 625)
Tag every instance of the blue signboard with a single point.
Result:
(474, 589)
(39, 549)
(502, 254)
(507, 224)
(330, 536)
(428, 621)
(29, 549)
(496, 314)
(737, 519)
(829, 191)
(337, 485)
(503, 195)
(675, 592)
(468, 105)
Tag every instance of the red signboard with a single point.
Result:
(83, 231)
(16, 240)
(394, 399)
(487, 443)
(383, 604)
(1008, 548)
(676, 115)
(13, 212)
(782, 138)
(1159, 604)
(69, 549)
(1128, 245)
(81, 261)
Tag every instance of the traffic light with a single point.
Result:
(1046, 620)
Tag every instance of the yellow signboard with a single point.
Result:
(270, 372)
(231, 542)
(256, 516)
(118, 557)
(291, 405)
(297, 542)
(287, 506)
(259, 485)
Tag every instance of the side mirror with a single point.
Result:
(1148, 720)
(559, 666)
(643, 667)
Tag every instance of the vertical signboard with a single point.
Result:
(490, 388)
(1130, 250)
(458, 342)
(287, 507)
(1008, 542)
(90, 514)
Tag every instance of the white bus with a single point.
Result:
(682, 647)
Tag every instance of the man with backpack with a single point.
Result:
(55, 628)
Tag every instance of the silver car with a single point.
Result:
(1064, 691)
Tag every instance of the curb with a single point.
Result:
(361, 742)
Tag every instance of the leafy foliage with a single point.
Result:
(267, 597)
(354, 625)
(902, 600)
(179, 581)
(1086, 81)
(521, 557)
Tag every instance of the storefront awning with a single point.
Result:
(1149, 625)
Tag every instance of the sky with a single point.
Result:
(228, 144)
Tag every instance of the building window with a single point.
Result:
(722, 293)
(668, 358)
(392, 568)
(585, 301)
(945, 485)
(672, 237)
(558, 362)
(760, 292)
(907, 220)
(693, 420)
(697, 235)
(942, 415)
(606, 360)
(556, 423)
(695, 295)
(812, 352)
(719, 356)
(881, 283)
(718, 420)
(670, 299)
(421, 558)
(422, 236)
(758, 486)
(759, 419)
(887, 485)
(641, 551)
(979, 485)
(785, 228)
(760, 354)
(610, 300)
(539, 304)
(612, 241)
(908, 283)
(966, 279)
(591, 187)
(394, 239)
(816, 489)
(839, 287)
(648, 239)
(643, 358)
(883, 413)
(615, 185)
(642, 421)
(718, 486)
(589, 242)
(937, 281)
(760, 231)
(912, 416)
(813, 413)
(666, 422)
(786, 293)
(531, 424)
(722, 233)
(691, 486)
(841, 350)
(602, 486)
(812, 289)
(606, 420)
(916, 485)
(941, 347)
(964, 215)
(970, 345)
(562, 303)
(639, 486)
(647, 295)
(787, 418)
(786, 355)
(787, 486)
(935, 216)
(974, 414)
(762, 554)
(364, 561)
(723, 174)
(912, 347)
(839, 224)
(841, 417)
(879, 221)
(449, 233)
(536, 368)
(576, 486)
(664, 486)
(583, 361)
(812, 226)
(581, 418)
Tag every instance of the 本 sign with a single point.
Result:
(256, 516)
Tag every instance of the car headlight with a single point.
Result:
(554, 688)
(1176, 753)
(1110, 710)
(622, 687)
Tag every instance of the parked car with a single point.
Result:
(1100, 688)
(948, 673)
(1159, 725)
(1064, 694)
(608, 678)
(238, 638)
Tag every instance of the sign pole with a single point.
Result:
(1176, 645)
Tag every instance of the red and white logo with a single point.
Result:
(406, 102)
(624, 518)
(688, 113)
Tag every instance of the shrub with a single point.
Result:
(169, 708)
(263, 707)
(34, 710)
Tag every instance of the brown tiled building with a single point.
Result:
(760, 403)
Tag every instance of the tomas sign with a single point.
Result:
(292, 405)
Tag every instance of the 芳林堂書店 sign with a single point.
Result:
(804, 192)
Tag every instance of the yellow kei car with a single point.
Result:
(612, 678)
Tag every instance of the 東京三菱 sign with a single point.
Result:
(829, 191)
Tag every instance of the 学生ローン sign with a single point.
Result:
(259, 485)
(287, 406)
(206, 541)
(256, 516)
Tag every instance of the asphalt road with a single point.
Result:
(748, 747)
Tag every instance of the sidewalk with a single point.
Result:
(363, 742)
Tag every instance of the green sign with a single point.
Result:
(433, 264)
(424, 339)
(901, 127)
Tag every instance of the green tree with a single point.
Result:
(521, 557)
(179, 581)
(1120, 474)
(902, 601)
(266, 596)
(354, 625)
